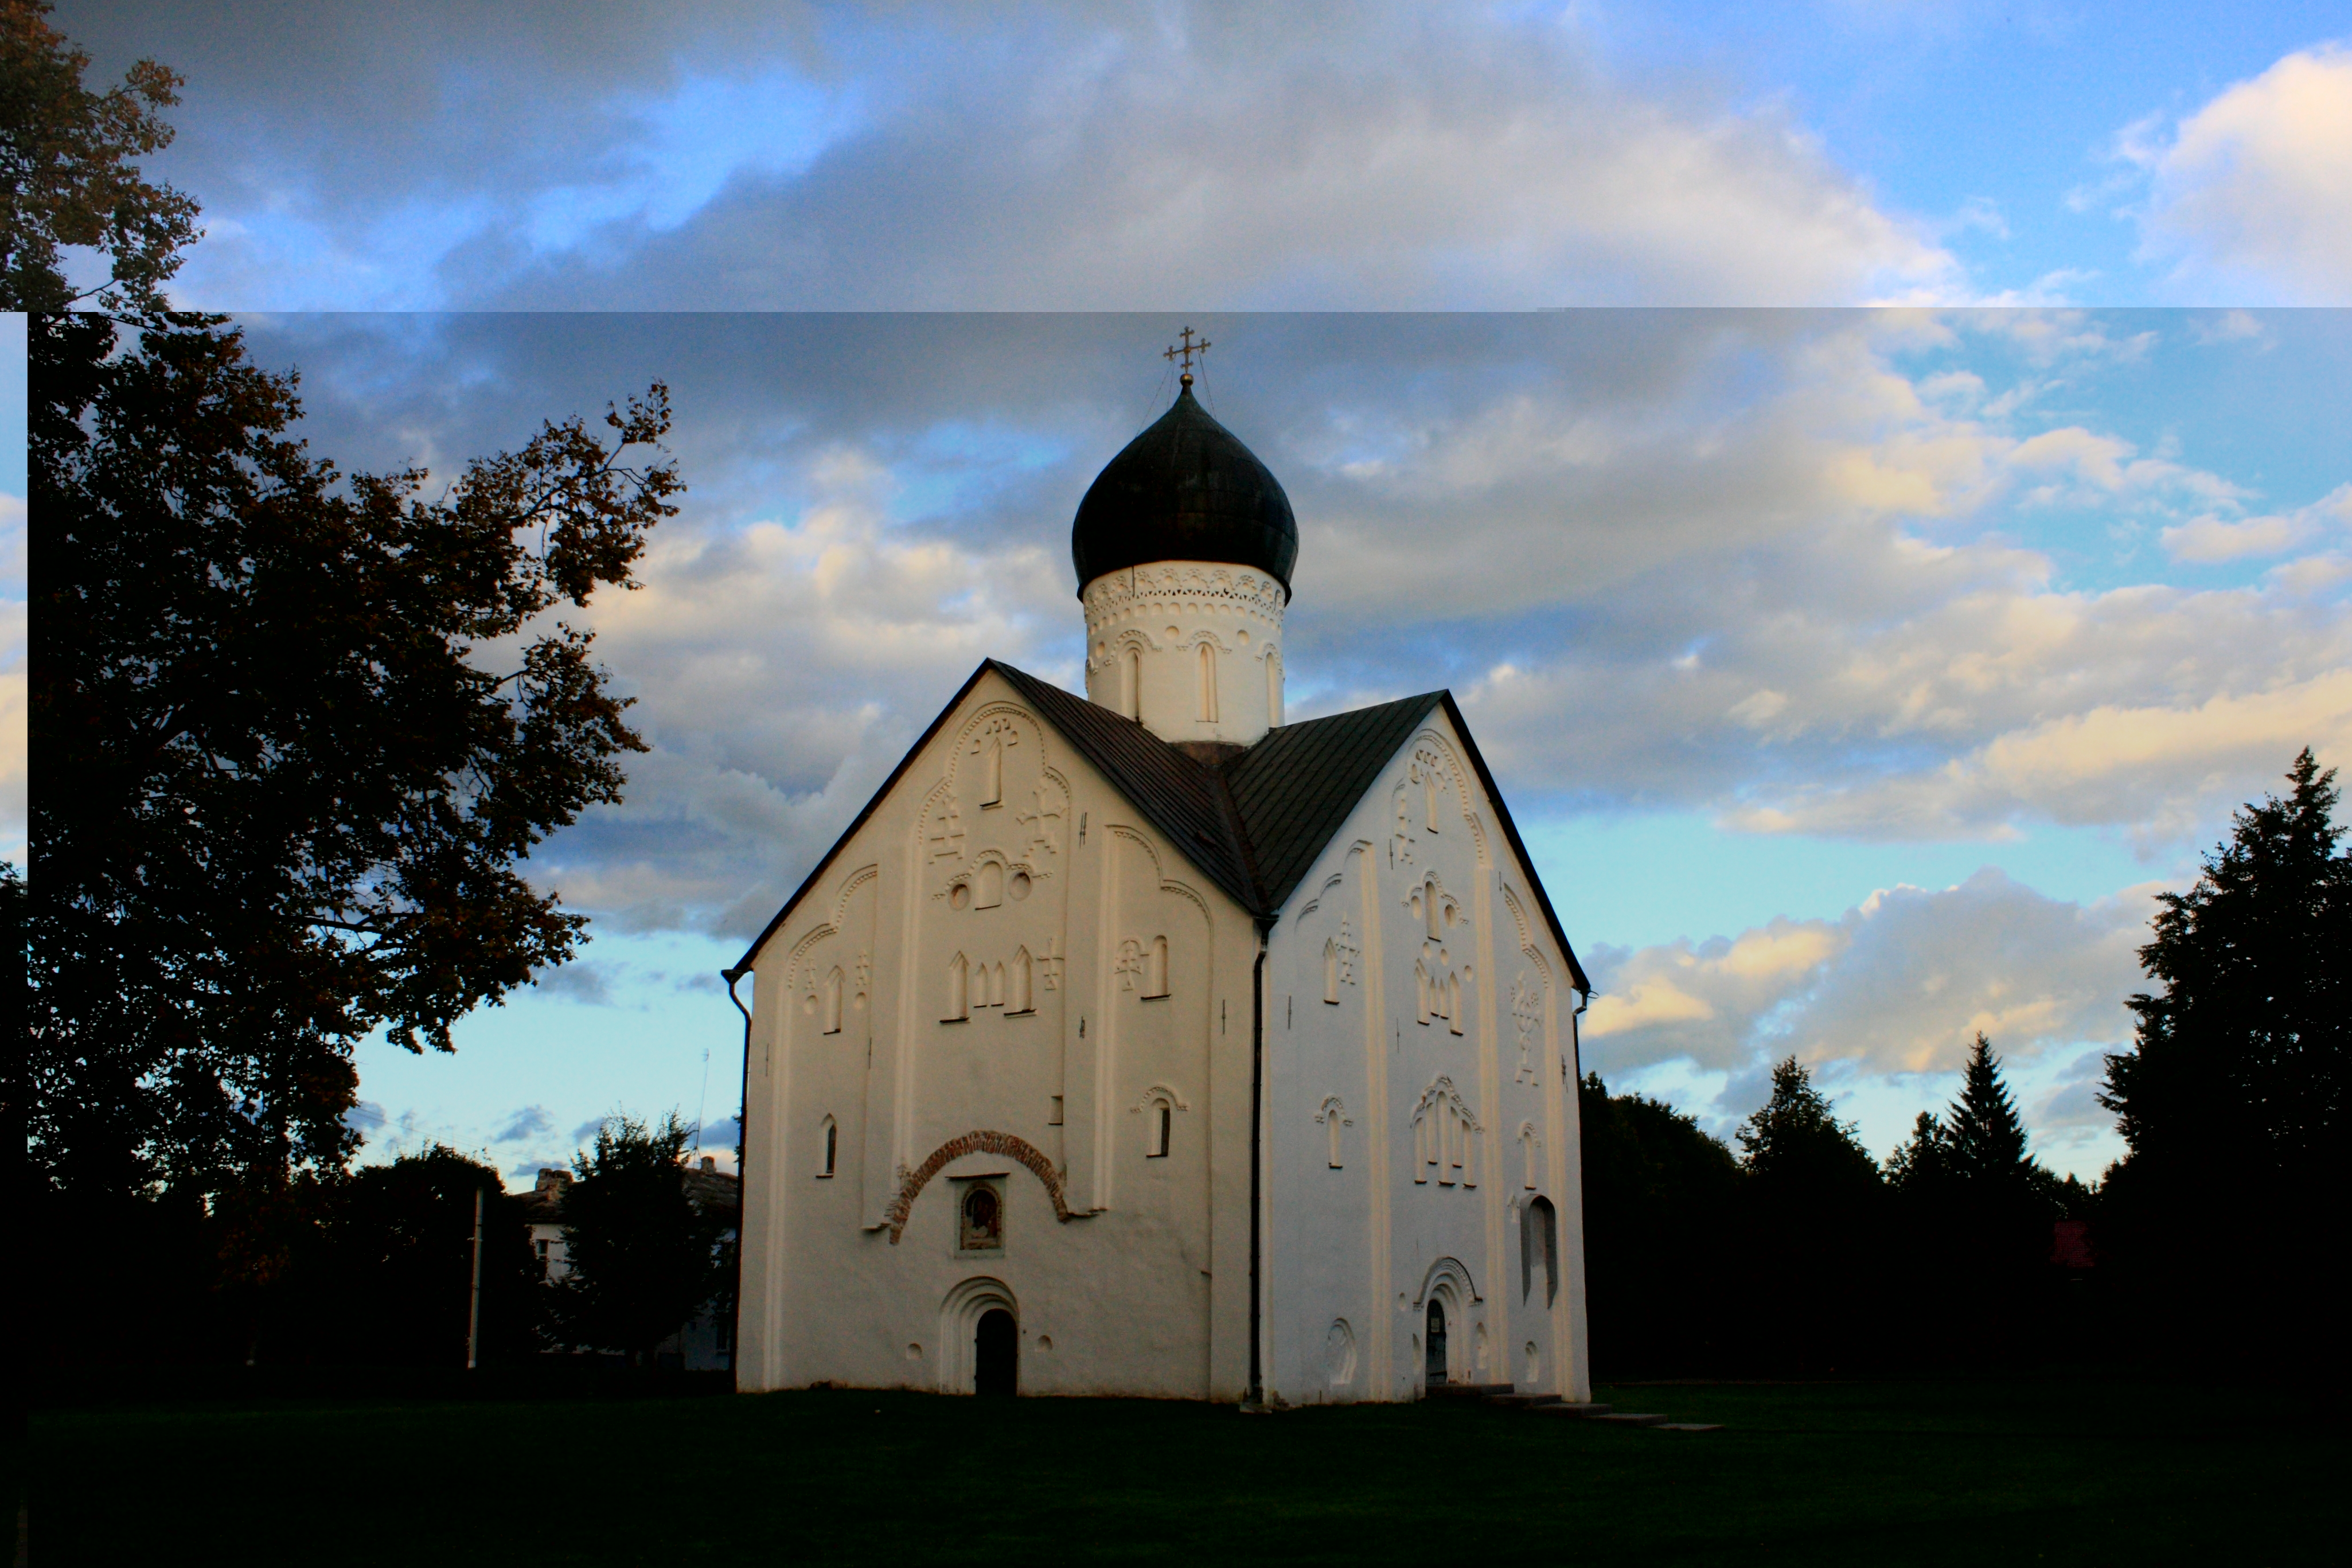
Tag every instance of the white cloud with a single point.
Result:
(2253, 191)
(1901, 983)
(2212, 539)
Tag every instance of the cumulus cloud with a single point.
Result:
(1901, 983)
(1056, 157)
(2212, 538)
(2253, 191)
(1774, 565)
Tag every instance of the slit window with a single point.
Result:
(1208, 684)
(1155, 968)
(832, 1147)
(832, 1002)
(1331, 972)
(1163, 1127)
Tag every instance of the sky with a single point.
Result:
(1876, 476)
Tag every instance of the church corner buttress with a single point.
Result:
(1000, 1078)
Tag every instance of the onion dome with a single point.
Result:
(1185, 490)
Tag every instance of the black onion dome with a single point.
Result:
(1185, 490)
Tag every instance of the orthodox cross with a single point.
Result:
(1188, 349)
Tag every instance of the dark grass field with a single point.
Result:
(2055, 1471)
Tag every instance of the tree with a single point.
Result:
(298, 731)
(2238, 1069)
(1813, 1200)
(1984, 1139)
(70, 156)
(2226, 1216)
(644, 1257)
(1661, 1211)
(395, 1286)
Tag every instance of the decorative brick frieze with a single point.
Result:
(912, 1183)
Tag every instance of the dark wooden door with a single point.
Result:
(996, 1353)
(1434, 1339)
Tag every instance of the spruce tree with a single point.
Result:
(1985, 1140)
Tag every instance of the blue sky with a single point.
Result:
(1858, 673)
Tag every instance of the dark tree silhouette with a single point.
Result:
(645, 1258)
(394, 1287)
(1661, 1209)
(1984, 1136)
(70, 158)
(2227, 1213)
(297, 730)
(1814, 1204)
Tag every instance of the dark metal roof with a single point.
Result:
(1185, 490)
(1254, 824)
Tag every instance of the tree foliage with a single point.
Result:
(297, 730)
(2238, 1069)
(644, 1256)
(2227, 1213)
(70, 158)
(1661, 1202)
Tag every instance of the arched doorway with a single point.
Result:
(1433, 1340)
(996, 1353)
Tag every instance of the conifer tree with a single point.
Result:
(1985, 1138)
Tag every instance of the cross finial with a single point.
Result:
(1186, 350)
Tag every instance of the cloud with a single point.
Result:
(1901, 984)
(2212, 539)
(523, 1125)
(364, 1118)
(1773, 566)
(1056, 157)
(2253, 191)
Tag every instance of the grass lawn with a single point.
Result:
(1915, 1472)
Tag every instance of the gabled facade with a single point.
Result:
(1232, 1062)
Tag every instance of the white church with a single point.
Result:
(1146, 1045)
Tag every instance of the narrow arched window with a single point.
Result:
(832, 1002)
(1208, 683)
(1540, 1243)
(1420, 1008)
(832, 1147)
(988, 886)
(1331, 972)
(959, 991)
(1016, 997)
(996, 986)
(1430, 910)
(1134, 692)
(1454, 1002)
(1155, 973)
(1273, 687)
(1163, 1117)
(991, 772)
(1331, 1119)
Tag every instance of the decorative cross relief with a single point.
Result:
(1129, 968)
(1402, 841)
(1348, 951)
(864, 972)
(1049, 964)
(1527, 1017)
(947, 832)
(1040, 823)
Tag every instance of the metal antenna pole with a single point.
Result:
(474, 1314)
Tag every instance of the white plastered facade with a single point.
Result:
(1005, 975)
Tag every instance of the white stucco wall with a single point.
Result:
(1000, 843)
(1355, 1250)
(1191, 650)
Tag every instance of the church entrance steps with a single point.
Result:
(1522, 1401)
(1578, 1410)
(1691, 1426)
(1471, 1391)
(1627, 1419)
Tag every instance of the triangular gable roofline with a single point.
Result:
(1518, 847)
(1225, 856)
(825, 862)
